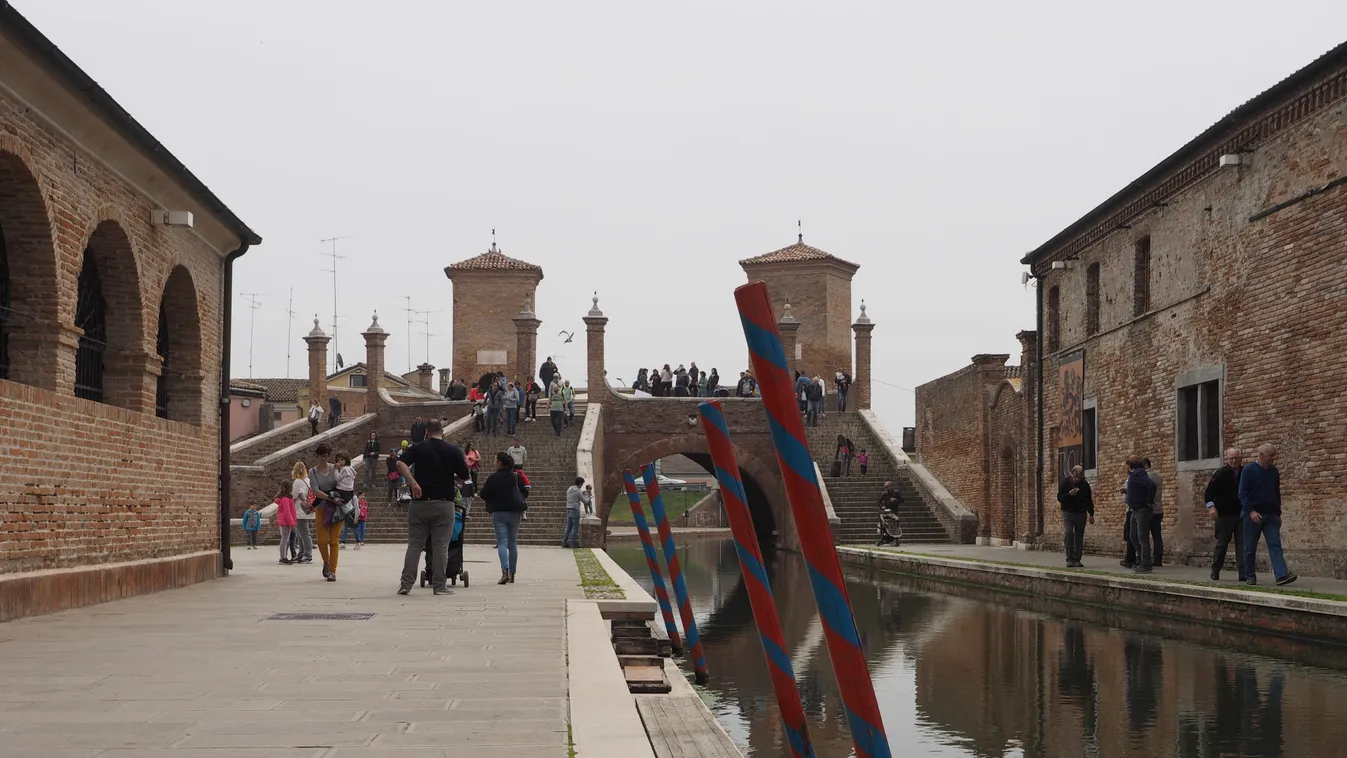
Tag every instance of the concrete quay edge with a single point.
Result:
(1289, 615)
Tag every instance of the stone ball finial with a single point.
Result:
(594, 312)
(317, 331)
(374, 327)
(864, 319)
(786, 316)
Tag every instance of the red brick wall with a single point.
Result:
(83, 483)
(485, 304)
(952, 434)
(820, 297)
(1260, 300)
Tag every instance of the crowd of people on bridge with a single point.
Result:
(1243, 502)
(500, 404)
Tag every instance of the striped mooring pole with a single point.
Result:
(652, 561)
(755, 579)
(768, 357)
(694, 642)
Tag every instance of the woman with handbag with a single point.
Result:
(506, 504)
(326, 499)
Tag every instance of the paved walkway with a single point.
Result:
(199, 671)
(1046, 559)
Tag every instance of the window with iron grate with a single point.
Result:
(161, 390)
(1092, 300)
(91, 315)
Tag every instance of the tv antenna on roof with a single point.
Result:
(333, 255)
(254, 302)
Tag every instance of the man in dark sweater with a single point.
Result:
(1139, 494)
(1222, 497)
(1260, 495)
(438, 465)
(1077, 505)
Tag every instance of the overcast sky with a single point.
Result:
(642, 149)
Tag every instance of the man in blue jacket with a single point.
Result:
(1260, 496)
(1139, 494)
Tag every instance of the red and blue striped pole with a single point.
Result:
(694, 642)
(652, 561)
(811, 521)
(755, 579)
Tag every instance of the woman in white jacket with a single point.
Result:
(299, 491)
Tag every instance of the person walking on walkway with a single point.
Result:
(252, 524)
(474, 459)
(315, 416)
(285, 518)
(1139, 494)
(334, 417)
(1077, 508)
(532, 392)
(371, 460)
(578, 495)
(300, 492)
(1157, 516)
(510, 403)
(1260, 494)
(1222, 497)
(323, 493)
(506, 503)
(556, 405)
(518, 452)
(568, 393)
(431, 512)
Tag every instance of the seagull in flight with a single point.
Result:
(569, 336)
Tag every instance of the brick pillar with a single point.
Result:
(1029, 377)
(860, 385)
(526, 342)
(375, 338)
(317, 366)
(595, 322)
(444, 381)
(425, 377)
(789, 326)
(130, 380)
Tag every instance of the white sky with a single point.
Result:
(641, 150)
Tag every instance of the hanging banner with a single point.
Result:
(1071, 426)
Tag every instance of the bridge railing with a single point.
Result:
(588, 464)
(960, 523)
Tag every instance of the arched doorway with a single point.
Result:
(178, 394)
(1005, 508)
(766, 499)
(28, 286)
(91, 318)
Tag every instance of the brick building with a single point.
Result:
(495, 328)
(112, 323)
(1199, 308)
(818, 287)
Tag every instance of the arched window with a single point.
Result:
(161, 391)
(5, 312)
(91, 315)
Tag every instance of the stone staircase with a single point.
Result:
(855, 498)
(550, 469)
(260, 446)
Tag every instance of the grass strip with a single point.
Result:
(1272, 590)
(598, 585)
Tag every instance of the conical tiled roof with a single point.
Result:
(796, 253)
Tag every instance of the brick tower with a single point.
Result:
(488, 291)
(818, 286)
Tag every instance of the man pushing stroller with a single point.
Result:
(889, 530)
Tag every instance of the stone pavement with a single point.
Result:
(1109, 564)
(199, 671)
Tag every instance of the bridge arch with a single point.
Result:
(762, 480)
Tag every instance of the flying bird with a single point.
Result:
(569, 336)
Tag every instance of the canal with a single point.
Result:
(968, 672)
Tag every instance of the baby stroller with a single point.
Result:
(453, 568)
(890, 532)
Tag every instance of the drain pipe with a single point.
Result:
(226, 562)
(1038, 381)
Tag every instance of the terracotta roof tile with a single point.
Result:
(493, 260)
(279, 390)
(795, 253)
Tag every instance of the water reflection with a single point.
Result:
(958, 676)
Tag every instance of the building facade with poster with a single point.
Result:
(1201, 308)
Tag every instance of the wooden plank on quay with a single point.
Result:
(680, 726)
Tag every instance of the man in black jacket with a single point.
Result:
(439, 466)
(371, 458)
(1222, 496)
(1077, 507)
